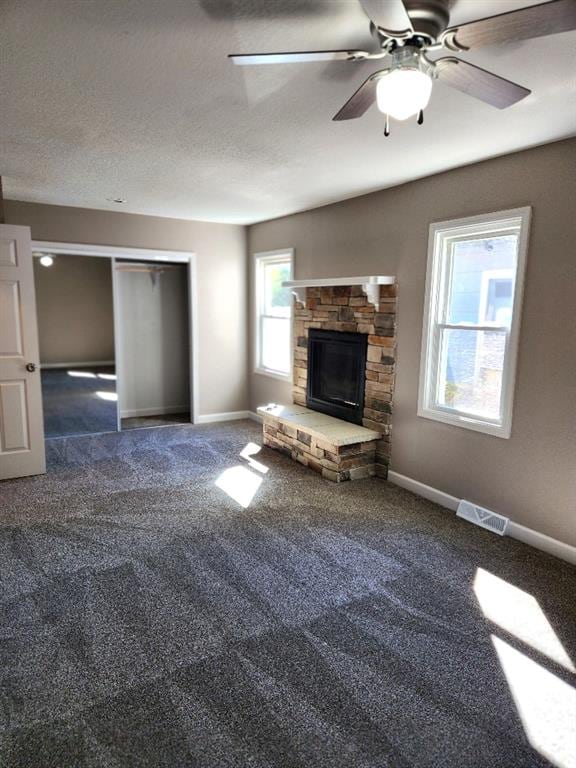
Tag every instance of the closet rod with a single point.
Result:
(146, 267)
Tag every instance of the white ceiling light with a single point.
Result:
(403, 93)
(405, 89)
(46, 260)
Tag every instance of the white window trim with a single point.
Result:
(268, 257)
(428, 361)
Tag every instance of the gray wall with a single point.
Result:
(153, 348)
(532, 476)
(74, 306)
(221, 253)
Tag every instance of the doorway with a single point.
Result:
(77, 347)
(116, 328)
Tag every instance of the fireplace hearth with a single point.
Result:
(336, 373)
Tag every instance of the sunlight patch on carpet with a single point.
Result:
(545, 703)
(248, 453)
(81, 374)
(519, 613)
(107, 396)
(240, 484)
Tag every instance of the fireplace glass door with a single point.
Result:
(336, 373)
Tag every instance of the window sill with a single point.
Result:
(466, 422)
(274, 374)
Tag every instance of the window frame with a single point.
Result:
(262, 259)
(436, 301)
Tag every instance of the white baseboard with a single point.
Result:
(255, 416)
(542, 541)
(209, 418)
(89, 364)
(515, 530)
(420, 489)
(160, 410)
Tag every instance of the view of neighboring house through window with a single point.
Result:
(474, 281)
(274, 312)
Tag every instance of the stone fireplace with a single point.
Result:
(344, 339)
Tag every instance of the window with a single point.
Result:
(273, 314)
(471, 320)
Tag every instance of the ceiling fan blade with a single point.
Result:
(479, 83)
(357, 104)
(390, 15)
(525, 24)
(248, 59)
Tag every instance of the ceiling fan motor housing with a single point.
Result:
(429, 17)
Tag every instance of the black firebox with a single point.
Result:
(336, 373)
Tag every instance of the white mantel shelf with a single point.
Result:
(370, 285)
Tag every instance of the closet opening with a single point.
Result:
(153, 343)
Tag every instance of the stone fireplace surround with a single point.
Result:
(312, 438)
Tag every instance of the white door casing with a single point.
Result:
(142, 254)
(21, 424)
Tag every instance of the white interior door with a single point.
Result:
(21, 424)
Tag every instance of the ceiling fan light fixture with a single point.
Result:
(408, 30)
(403, 92)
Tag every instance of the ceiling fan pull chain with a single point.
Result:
(420, 117)
(387, 126)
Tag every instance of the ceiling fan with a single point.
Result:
(406, 31)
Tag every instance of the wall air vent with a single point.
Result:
(482, 517)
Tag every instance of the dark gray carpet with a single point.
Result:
(147, 619)
(138, 422)
(72, 405)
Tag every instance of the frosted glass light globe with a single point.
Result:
(46, 261)
(403, 93)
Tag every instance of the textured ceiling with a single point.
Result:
(136, 99)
